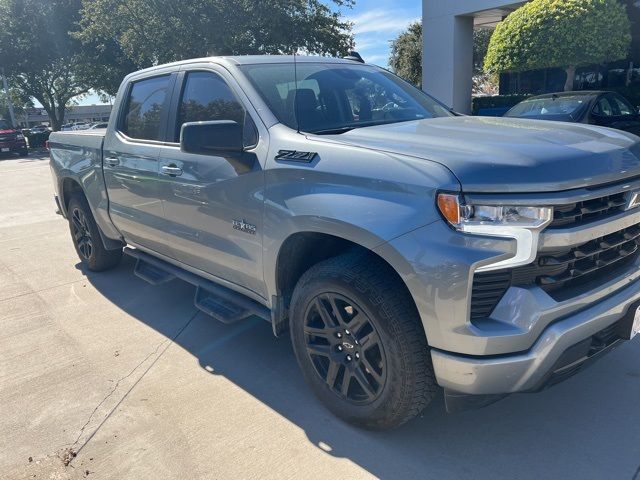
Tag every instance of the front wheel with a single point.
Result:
(86, 237)
(359, 342)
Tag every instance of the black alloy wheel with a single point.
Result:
(81, 233)
(345, 348)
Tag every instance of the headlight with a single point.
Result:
(19, 137)
(522, 223)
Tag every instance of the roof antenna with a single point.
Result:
(295, 94)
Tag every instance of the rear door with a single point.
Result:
(213, 203)
(130, 160)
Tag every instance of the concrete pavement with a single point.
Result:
(136, 384)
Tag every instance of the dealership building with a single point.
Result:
(74, 114)
(448, 54)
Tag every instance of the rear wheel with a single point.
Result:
(359, 342)
(24, 152)
(86, 237)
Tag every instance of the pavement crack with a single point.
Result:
(71, 451)
(35, 292)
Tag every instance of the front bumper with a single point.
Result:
(564, 345)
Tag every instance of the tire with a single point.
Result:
(386, 333)
(86, 237)
(24, 152)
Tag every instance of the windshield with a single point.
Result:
(556, 106)
(334, 98)
(4, 125)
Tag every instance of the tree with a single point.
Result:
(560, 33)
(124, 35)
(38, 55)
(406, 52)
(19, 102)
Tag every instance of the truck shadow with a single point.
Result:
(588, 427)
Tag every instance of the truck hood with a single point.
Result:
(490, 154)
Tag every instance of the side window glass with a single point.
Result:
(622, 106)
(207, 97)
(144, 108)
(603, 108)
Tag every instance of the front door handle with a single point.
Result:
(171, 170)
(112, 161)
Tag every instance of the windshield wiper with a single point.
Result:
(332, 131)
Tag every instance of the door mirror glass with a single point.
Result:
(215, 137)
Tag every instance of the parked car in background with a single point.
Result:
(11, 140)
(80, 126)
(67, 127)
(607, 109)
(98, 125)
(39, 129)
(37, 136)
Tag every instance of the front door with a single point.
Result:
(131, 163)
(213, 203)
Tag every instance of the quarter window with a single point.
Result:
(207, 97)
(144, 108)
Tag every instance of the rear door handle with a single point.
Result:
(171, 170)
(112, 161)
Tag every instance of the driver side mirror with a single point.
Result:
(211, 137)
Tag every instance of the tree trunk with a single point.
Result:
(571, 76)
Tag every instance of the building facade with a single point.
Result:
(74, 114)
(448, 54)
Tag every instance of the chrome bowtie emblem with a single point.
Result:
(633, 200)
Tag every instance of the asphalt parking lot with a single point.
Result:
(137, 384)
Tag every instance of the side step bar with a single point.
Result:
(220, 302)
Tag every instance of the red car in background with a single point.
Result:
(11, 140)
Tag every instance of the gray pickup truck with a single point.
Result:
(408, 250)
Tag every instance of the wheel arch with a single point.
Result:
(303, 249)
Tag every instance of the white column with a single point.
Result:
(447, 63)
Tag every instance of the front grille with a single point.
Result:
(579, 213)
(558, 273)
(8, 138)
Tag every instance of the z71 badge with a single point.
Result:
(244, 226)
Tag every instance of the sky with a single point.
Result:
(375, 24)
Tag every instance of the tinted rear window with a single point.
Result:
(145, 106)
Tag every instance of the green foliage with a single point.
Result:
(19, 102)
(559, 33)
(406, 52)
(481, 39)
(40, 58)
(121, 36)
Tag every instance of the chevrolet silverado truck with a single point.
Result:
(11, 140)
(407, 250)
